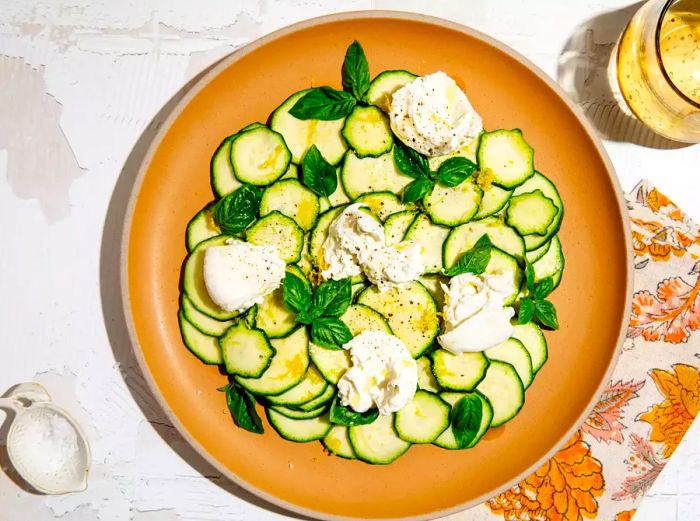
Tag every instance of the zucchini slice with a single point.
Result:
(531, 213)
(206, 324)
(534, 341)
(311, 386)
(300, 134)
(551, 264)
(201, 228)
(447, 439)
(371, 174)
(396, 225)
(431, 237)
(501, 262)
(319, 235)
(426, 378)
(272, 315)
(536, 254)
(291, 198)
(377, 442)
(465, 236)
(433, 283)
(360, 318)
(281, 231)
(506, 157)
(338, 442)
(339, 197)
(246, 352)
(453, 206)
(367, 131)
(540, 182)
(493, 200)
(410, 311)
(291, 173)
(467, 150)
(223, 180)
(300, 431)
(513, 351)
(423, 419)
(287, 368)
(204, 347)
(259, 156)
(458, 372)
(299, 415)
(383, 86)
(382, 204)
(504, 390)
(321, 400)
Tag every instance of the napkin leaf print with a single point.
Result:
(604, 422)
(626, 515)
(645, 465)
(669, 315)
(563, 489)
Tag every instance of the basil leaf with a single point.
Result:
(410, 162)
(527, 311)
(543, 288)
(416, 190)
(234, 212)
(241, 405)
(454, 171)
(323, 103)
(475, 260)
(332, 298)
(529, 277)
(466, 419)
(355, 71)
(343, 415)
(546, 314)
(317, 173)
(295, 293)
(330, 332)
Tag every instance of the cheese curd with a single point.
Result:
(239, 274)
(382, 373)
(474, 312)
(432, 115)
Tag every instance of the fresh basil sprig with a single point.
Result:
(355, 72)
(241, 405)
(417, 189)
(410, 162)
(343, 415)
(466, 419)
(320, 310)
(454, 171)
(324, 103)
(317, 173)
(474, 260)
(234, 212)
(535, 305)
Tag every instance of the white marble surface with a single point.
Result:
(79, 81)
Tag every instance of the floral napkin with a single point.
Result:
(604, 470)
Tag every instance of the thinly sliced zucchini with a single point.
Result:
(534, 341)
(299, 415)
(287, 368)
(259, 156)
(447, 439)
(291, 173)
(246, 352)
(531, 213)
(426, 378)
(223, 181)
(319, 235)
(356, 289)
(311, 386)
(300, 134)
(431, 237)
(384, 85)
(410, 311)
(540, 182)
(292, 199)
(536, 254)
(500, 263)
(465, 236)
(204, 347)
(396, 225)
(377, 442)
(504, 390)
(201, 228)
(371, 174)
(382, 204)
(300, 431)
(493, 200)
(551, 264)
(339, 197)
(338, 442)
(272, 314)
(423, 419)
(513, 352)
(322, 399)
(461, 372)
(367, 131)
(281, 231)
(360, 318)
(433, 283)
(206, 324)
(193, 280)
(506, 156)
(467, 150)
(453, 206)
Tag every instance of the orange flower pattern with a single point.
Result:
(563, 489)
(604, 422)
(626, 515)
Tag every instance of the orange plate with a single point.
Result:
(592, 301)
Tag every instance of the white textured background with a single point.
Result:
(79, 82)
